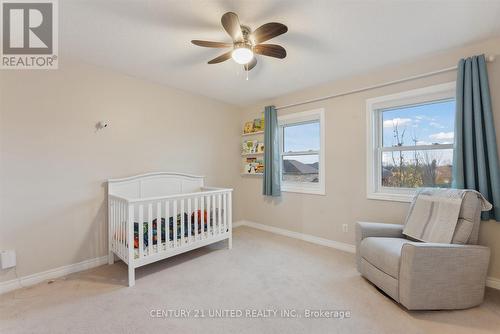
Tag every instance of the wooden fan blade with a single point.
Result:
(231, 24)
(271, 50)
(221, 58)
(251, 64)
(209, 44)
(267, 31)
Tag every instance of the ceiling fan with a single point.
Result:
(247, 43)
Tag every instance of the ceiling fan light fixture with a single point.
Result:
(242, 55)
(247, 44)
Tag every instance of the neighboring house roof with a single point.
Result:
(297, 167)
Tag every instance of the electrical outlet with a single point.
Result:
(7, 259)
(345, 228)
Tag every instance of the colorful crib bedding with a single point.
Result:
(177, 233)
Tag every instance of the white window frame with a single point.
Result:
(374, 108)
(298, 118)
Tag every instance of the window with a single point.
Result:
(302, 152)
(410, 142)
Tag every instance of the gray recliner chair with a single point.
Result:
(426, 276)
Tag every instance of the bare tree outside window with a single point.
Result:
(414, 168)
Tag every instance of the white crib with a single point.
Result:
(177, 214)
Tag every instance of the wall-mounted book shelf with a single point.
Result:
(250, 154)
(252, 133)
(252, 148)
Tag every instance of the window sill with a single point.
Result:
(394, 197)
(303, 190)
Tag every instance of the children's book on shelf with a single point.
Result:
(248, 128)
(250, 146)
(257, 125)
(260, 167)
(260, 148)
(253, 166)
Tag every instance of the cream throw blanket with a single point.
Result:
(434, 212)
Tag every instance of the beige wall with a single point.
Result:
(54, 164)
(345, 201)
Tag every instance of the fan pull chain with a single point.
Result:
(247, 74)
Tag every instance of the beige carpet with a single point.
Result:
(262, 271)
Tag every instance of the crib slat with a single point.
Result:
(118, 232)
(182, 222)
(124, 209)
(196, 218)
(117, 227)
(124, 224)
(188, 239)
(174, 223)
(112, 230)
(125, 228)
(230, 219)
(117, 222)
(150, 228)
(130, 235)
(202, 208)
(112, 224)
(167, 224)
(224, 207)
(213, 203)
(219, 218)
(214, 215)
(121, 229)
(159, 245)
(209, 216)
(140, 230)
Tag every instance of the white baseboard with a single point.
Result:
(51, 274)
(491, 282)
(296, 235)
(238, 223)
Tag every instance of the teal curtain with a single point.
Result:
(271, 184)
(475, 162)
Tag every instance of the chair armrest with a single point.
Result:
(442, 276)
(364, 230)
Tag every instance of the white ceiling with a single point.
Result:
(326, 40)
